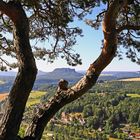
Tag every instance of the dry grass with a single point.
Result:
(113, 139)
(3, 96)
(130, 79)
(34, 97)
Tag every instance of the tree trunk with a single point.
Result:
(15, 104)
(47, 111)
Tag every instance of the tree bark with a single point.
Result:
(15, 104)
(47, 111)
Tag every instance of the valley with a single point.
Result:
(109, 110)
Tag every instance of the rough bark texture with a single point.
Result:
(15, 104)
(63, 97)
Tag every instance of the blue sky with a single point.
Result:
(89, 47)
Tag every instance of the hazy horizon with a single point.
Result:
(79, 70)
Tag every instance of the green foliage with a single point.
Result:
(126, 87)
(87, 111)
(134, 95)
(106, 107)
(34, 98)
(22, 130)
(98, 112)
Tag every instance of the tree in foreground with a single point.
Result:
(45, 20)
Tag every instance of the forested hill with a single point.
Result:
(109, 109)
(122, 74)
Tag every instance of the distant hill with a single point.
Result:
(52, 78)
(68, 73)
(114, 75)
(59, 73)
(39, 73)
(8, 73)
(121, 74)
(13, 73)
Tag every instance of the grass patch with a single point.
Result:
(134, 95)
(34, 98)
(113, 139)
(130, 79)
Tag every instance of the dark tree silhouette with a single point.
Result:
(46, 20)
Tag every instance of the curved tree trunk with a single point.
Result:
(47, 111)
(15, 104)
